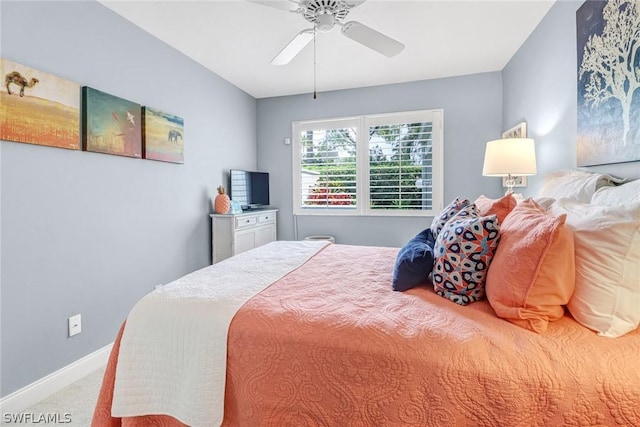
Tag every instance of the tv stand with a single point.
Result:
(232, 234)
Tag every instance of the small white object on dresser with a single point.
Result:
(233, 234)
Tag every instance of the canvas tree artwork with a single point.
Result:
(608, 43)
(38, 108)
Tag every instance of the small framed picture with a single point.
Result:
(518, 131)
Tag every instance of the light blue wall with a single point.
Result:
(540, 87)
(472, 116)
(91, 233)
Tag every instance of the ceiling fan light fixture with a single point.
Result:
(325, 15)
(325, 22)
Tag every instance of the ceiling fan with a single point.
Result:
(324, 15)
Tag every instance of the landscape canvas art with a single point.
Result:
(110, 125)
(608, 43)
(162, 136)
(38, 108)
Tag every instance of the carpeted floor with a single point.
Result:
(72, 406)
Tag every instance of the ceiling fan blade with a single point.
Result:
(293, 48)
(372, 39)
(287, 5)
(353, 3)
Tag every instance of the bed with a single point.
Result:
(325, 341)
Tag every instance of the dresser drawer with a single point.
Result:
(246, 221)
(234, 234)
(266, 217)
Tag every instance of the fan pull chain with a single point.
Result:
(315, 96)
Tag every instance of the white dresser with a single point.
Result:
(233, 234)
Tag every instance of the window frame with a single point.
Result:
(362, 124)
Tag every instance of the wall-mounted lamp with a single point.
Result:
(510, 157)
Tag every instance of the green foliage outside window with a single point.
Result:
(393, 176)
(337, 184)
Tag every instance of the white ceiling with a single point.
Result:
(237, 39)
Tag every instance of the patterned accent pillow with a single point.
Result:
(463, 252)
(447, 213)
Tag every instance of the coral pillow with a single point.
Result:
(532, 275)
(464, 249)
(607, 294)
(414, 262)
(446, 214)
(500, 207)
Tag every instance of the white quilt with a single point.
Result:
(173, 351)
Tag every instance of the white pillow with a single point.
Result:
(574, 184)
(618, 195)
(607, 247)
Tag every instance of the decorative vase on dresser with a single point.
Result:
(222, 203)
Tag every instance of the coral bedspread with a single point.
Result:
(331, 344)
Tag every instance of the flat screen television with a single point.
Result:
(249, 188)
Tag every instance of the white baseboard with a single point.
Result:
(39, 390)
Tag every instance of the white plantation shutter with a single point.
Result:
(401, 166)
(328, 167)
(387, 164)
(325, 166)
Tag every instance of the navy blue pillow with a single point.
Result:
(414, 262)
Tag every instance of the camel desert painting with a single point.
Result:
(38, 108)
(162, 136)
(110, 125)
(608, 43)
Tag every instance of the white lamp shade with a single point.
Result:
(512, 156)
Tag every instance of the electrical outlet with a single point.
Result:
(75, 325)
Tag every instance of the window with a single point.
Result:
(389, 164)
